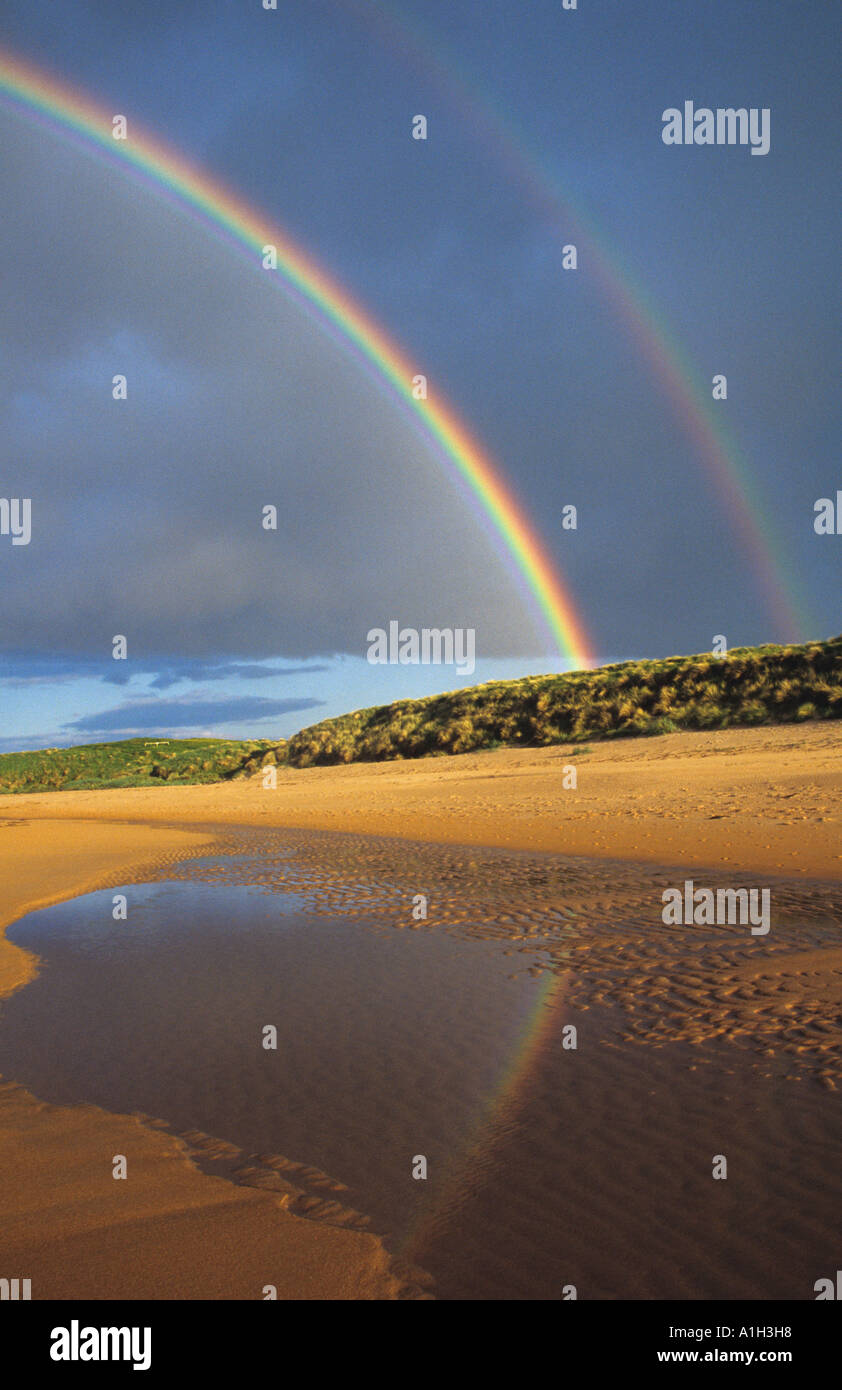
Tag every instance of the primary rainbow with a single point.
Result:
(493, 1121)
(31, 90)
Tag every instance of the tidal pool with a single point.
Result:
(549, 1166)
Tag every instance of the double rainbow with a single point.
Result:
(27, 88)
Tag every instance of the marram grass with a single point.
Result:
(751, 685)
(133, 762)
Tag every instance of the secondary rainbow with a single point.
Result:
(32, 91)
(705, 426)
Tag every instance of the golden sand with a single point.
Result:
(761, 801)
(171, 1231)
(765, 800)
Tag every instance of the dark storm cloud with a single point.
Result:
(144, 512)
(147, 512)
(165, 715)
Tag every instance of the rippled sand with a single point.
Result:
(693, 1041)
(598, 925)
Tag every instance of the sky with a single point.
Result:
(544, 129)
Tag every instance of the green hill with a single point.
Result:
(751, 685)
(134, 762)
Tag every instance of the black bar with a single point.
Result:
(301, 1340)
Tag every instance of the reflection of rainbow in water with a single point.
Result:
(71, 113)
(492, 1123)
(704, 425)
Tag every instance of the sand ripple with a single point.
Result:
(597, 922)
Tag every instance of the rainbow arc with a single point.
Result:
(33, 92)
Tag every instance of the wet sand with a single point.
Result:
(546, 1165)
(737, 803)
(66, 1223)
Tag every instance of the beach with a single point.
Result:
(763, 804)
(763, 799)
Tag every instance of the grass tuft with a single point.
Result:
(133, 762)
(748, 686)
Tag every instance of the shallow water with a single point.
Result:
(386, 1041)
(547, 1166)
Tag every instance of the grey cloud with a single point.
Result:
(163, 716)
(21, 669)
(226, 670)
(147, 512)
